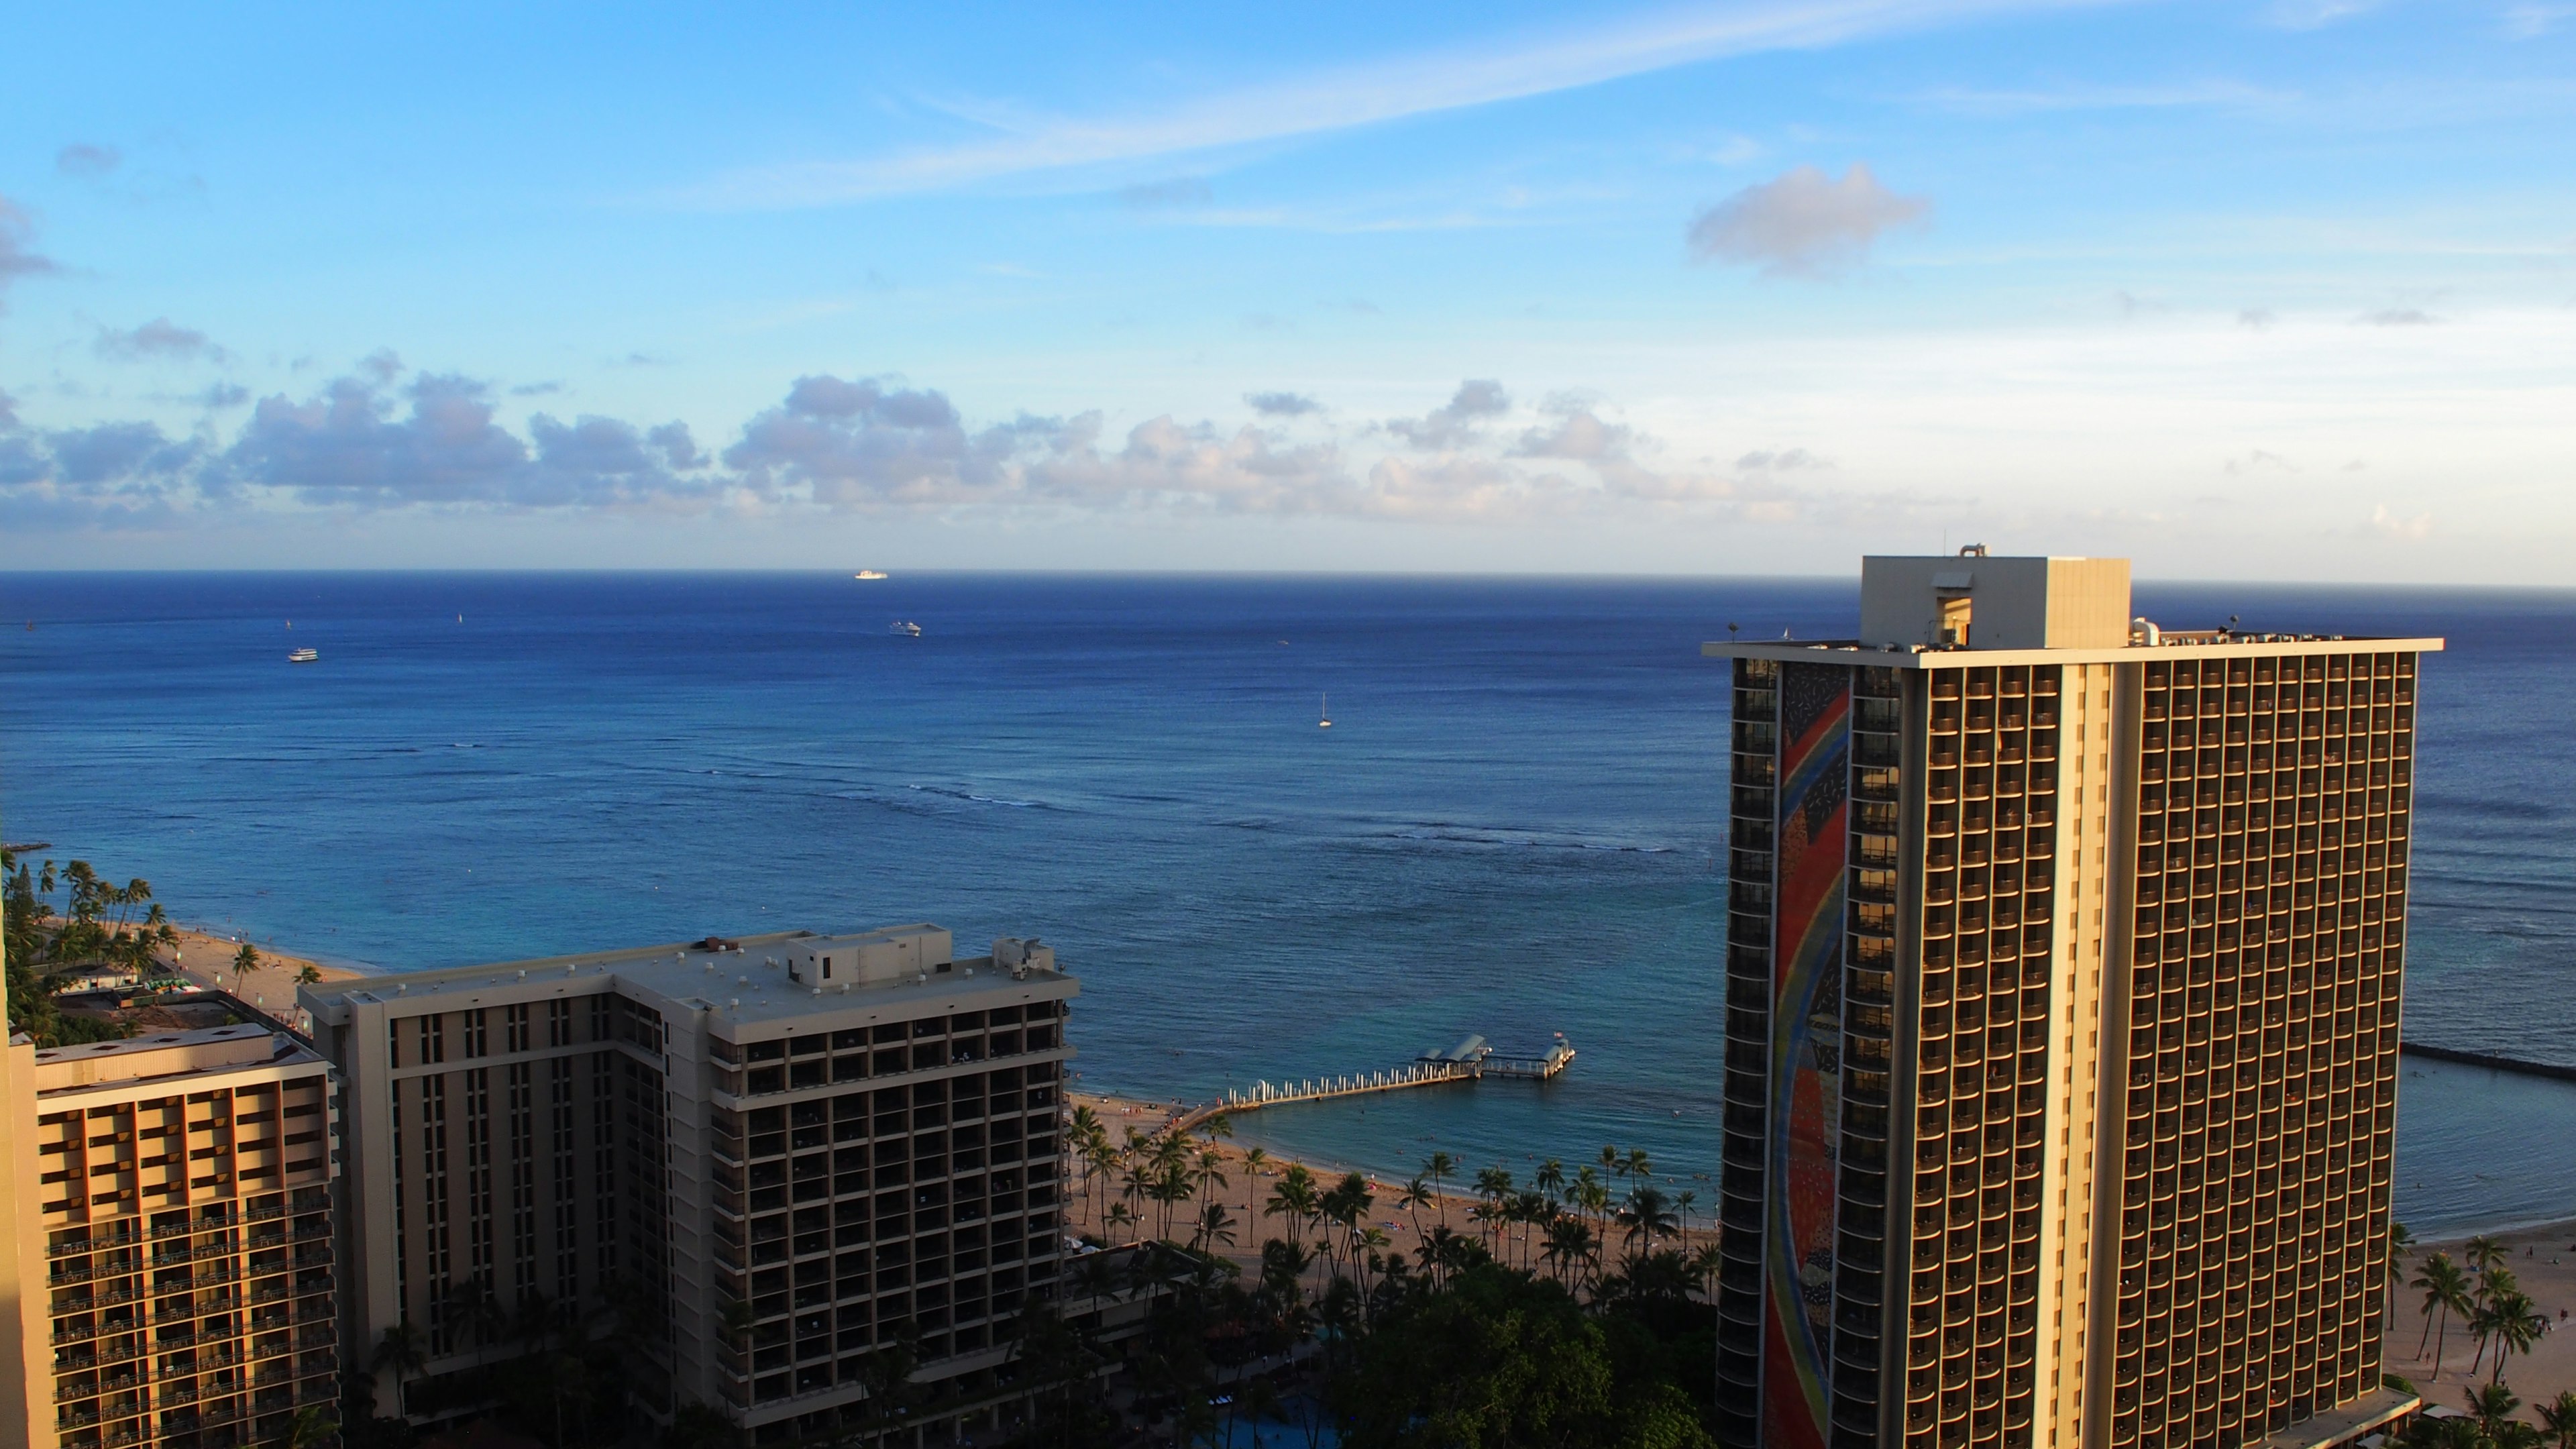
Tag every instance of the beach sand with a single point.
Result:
(2544, 1263)
(206, 958)
(1243, 1193)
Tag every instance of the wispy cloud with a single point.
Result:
(15, 260)
(1178, 191)
(2022, 101)
(157, 340)
(2530, 22)
(2316, 14)
(1361, 95)
(85, 159)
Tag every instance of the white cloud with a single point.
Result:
(2389, 525)
(370, 443)
(2315, 14)
(15, 260)
(159, 338)
(1360, 95)
(1457, 420)
(1803, 223)
(2222, 94)
(2530, 22)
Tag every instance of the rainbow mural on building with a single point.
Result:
(1806, 1053)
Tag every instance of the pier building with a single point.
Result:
(786, 1154)
(2063, 979)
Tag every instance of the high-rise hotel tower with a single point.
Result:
(2062, 1002)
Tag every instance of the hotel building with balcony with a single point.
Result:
(2063, 980)
(854, 1138)
(170, 1205)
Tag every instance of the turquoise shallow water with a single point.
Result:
(1513, 827)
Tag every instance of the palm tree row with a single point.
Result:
(2485, 1298)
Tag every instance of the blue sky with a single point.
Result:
(2262, 288)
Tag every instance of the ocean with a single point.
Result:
(1514, 827)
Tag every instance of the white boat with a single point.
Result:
(904, 627)
(303, 656)
(868, 574)
(1325, 709)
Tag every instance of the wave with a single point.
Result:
(973, 798)
(1445, 833)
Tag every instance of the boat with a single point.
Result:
(905, 628)
(1325, 709)
(303, 656)
(868, 574)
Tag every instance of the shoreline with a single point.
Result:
(1452, 1205)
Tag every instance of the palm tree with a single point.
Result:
(1412, 1200)
(1640, 1166)
(1296, 1198)
(1493, 1184)
(1438, 1170)
(245, 961)
(312, 1426)
(2495, 1286)
(2446, 1291)
(2483, 1252)
(1215, 1225)
(1254, 1159)
(2400, 1243)
(1550, 1179)
(2560, 1415)
(1645, 1216)
(403, 1351)
(1210, 1171)
(2493, 1408)
(1683, 1202)
(2517, 1327)
(1570, 1244)
(1704, 1266)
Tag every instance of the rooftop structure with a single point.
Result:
(853, 1137)
(2064, 963)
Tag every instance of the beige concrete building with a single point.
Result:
(171, 1272)
(2063, 982)
(793, 1151)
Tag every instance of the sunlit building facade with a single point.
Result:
(781, 1155)
(2063, 979)
(171, 1199)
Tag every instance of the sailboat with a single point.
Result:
(1325, 709)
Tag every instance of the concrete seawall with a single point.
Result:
(2485, 1059)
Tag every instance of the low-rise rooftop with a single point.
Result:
(738, 981)
(207, 1051)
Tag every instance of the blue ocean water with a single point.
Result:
(1513, 827)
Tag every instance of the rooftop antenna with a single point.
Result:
(1730, 630)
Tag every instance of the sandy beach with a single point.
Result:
(206, 958)
(2544, 1263)
(1245, 1190)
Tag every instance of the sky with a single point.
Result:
(2255, 289)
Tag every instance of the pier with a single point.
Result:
(1470, 1059)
